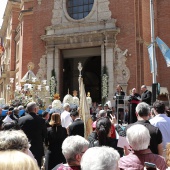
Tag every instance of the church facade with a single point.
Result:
(106, 36)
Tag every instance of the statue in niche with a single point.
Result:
(41, 74)
(122, 72)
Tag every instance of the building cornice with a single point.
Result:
(85, 39)
(11, 6)
(24, 13)
(23, 1)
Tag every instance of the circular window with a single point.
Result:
(79, 9)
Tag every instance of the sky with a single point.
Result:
(2, 9)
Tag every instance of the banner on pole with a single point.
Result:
(150, 51)
(84, 109)
(165, 50)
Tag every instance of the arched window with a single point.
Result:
(78, 9)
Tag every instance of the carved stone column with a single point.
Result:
(109, 64)
(57, 67)
(107, 54)
(50, 65)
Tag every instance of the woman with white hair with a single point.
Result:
(15, 140)
(100, 158)
(16, 160)
(73, 149)
(139, 139)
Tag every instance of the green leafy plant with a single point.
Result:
(105, 84)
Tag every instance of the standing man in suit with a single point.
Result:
(34, 127)
(77, 127)
(146, 95)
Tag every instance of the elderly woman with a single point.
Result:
(16, 160)
(100, 158)
(139, 139)
(55, 137)
(15, 140)
(73, 149)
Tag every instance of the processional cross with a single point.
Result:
(80, 69)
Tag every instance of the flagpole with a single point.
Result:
(153, 41)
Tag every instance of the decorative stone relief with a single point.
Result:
(100, 11)
(122, 72)
(41, 74)
(39, 2)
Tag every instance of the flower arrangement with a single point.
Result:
(52, 86)
(68, 99)
(56, 104)
(56, 96)
(105, 84)
(22, 98)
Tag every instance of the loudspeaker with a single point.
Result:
(154, 92)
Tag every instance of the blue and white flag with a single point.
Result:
(150, 51)
(165, 50)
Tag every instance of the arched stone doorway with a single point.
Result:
(92, 78)
(91, 74)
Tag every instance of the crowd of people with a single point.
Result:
(27, 138)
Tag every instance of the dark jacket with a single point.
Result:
(155, 133)
(134, 97)
(14, 117)
(77, 128)
(146, 97)
(93, 141)
(34, 127)
(55, 137)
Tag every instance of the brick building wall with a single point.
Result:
(163, 31)
(124, 13)
(14, 23)
(42, 14)
(34, 18)
(133, 19)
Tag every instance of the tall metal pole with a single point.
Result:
(153, 41)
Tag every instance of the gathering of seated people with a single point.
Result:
(59, 138)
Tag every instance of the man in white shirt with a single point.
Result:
(65, 116)
(161, 121)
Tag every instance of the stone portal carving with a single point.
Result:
(42, 72)
(91, 31)
(99, 12)
(122, 72)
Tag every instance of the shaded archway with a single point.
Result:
(92, 77)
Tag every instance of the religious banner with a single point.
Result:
(84, 109)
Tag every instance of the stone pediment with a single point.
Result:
(96, 27)
(99, 12)
(84, 39)
(80, 27)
